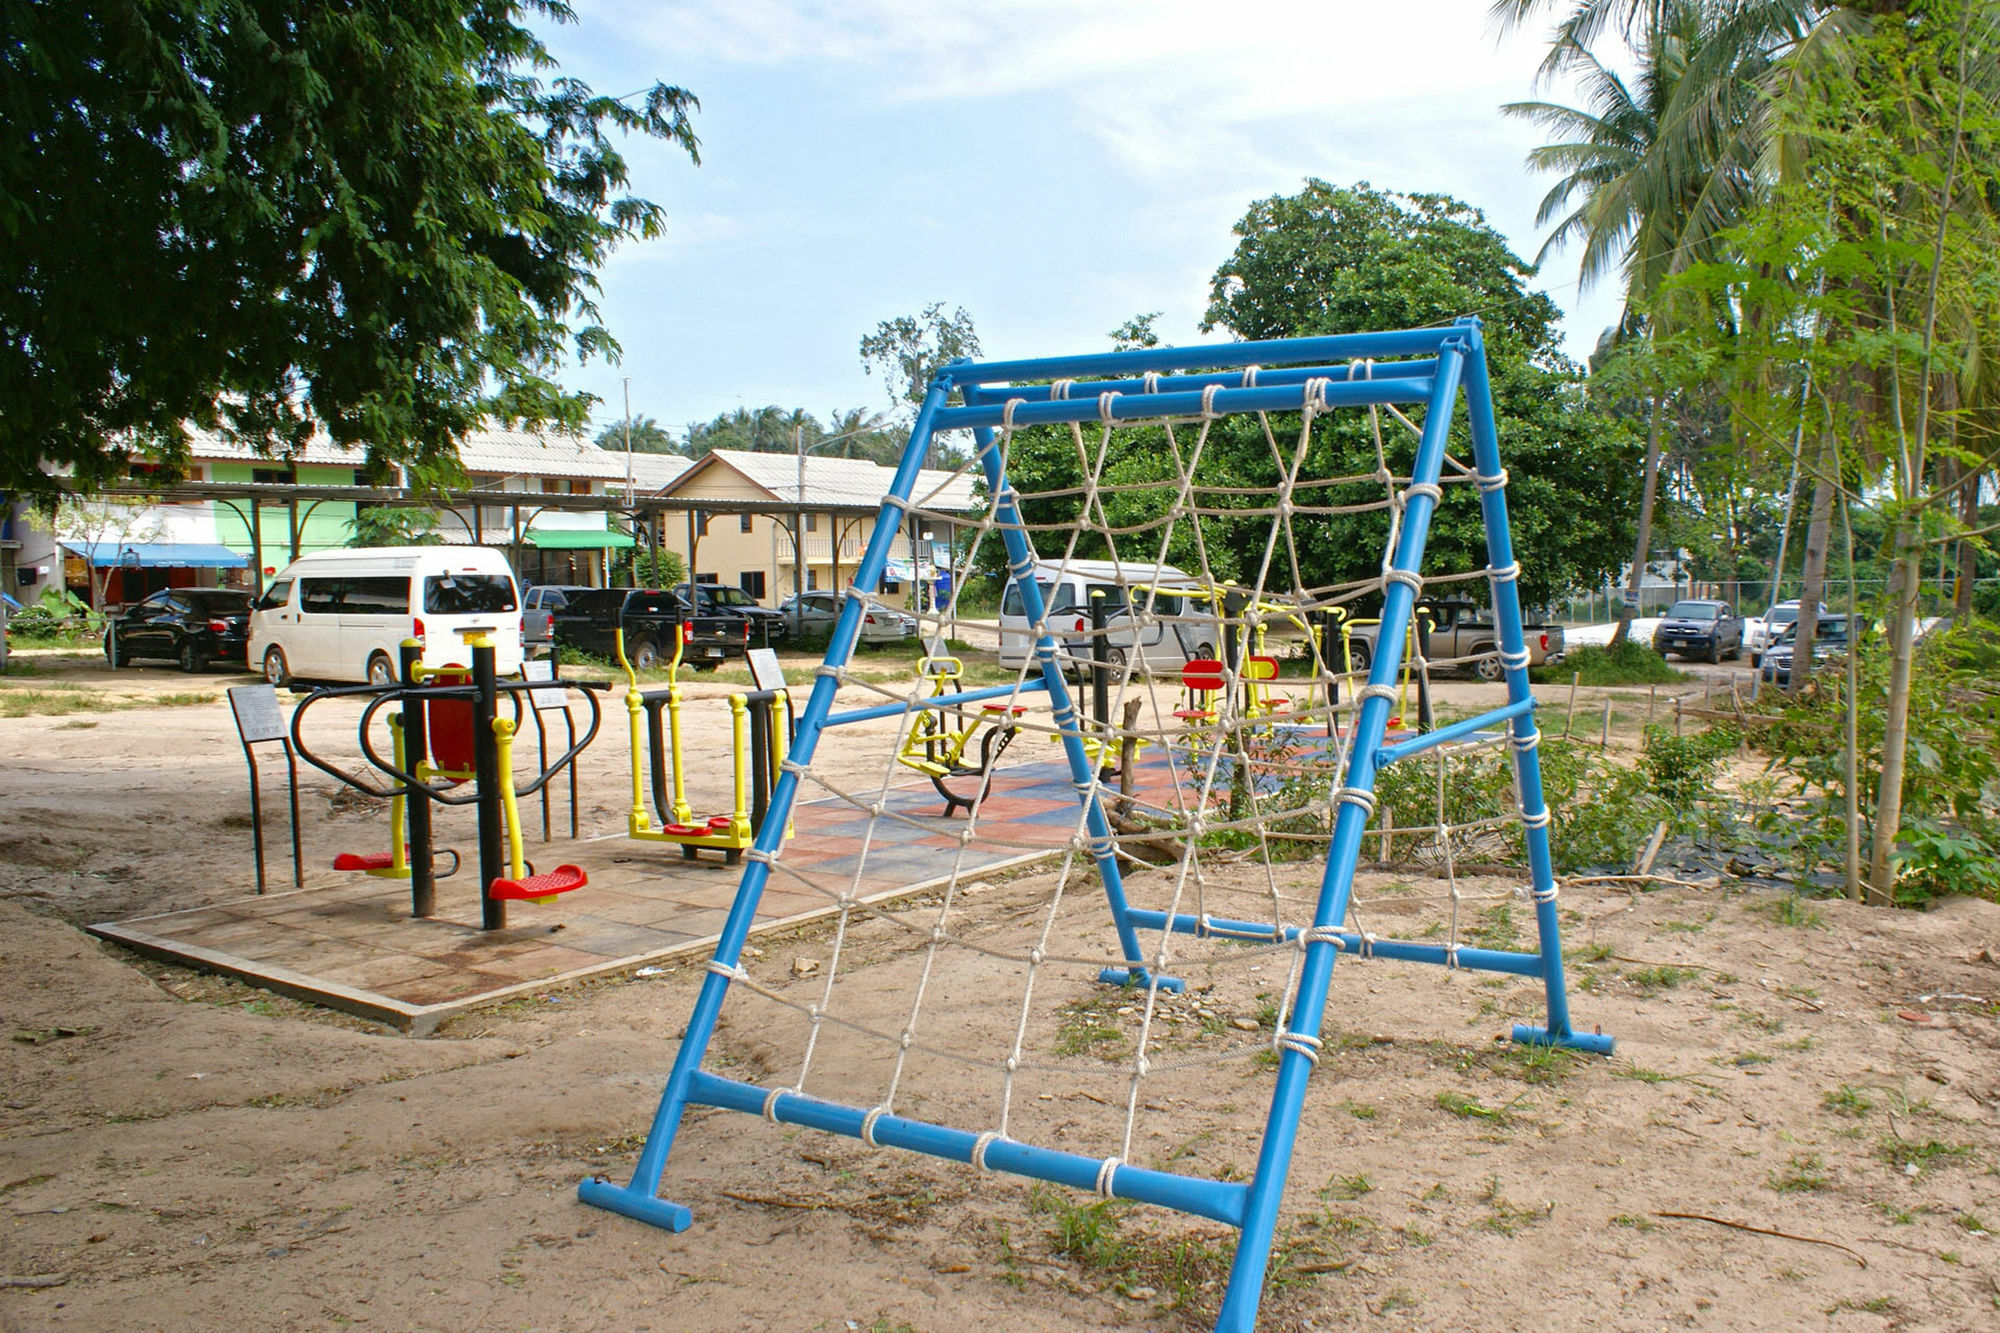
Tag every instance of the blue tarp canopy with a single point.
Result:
(159, 555)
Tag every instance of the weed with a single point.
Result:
(1471, 1108)
(1359, 1110)
(1083, 1029)
(1398, 1298)
(1630, 663)
(1879, 1305)
(1789, 911)
(1639, 1224)
(1846, 1100)
(1804, 1173)
(1640, 1074)
(1496, 928)
(1902, 1154)
(1537, 1064)
(1971, 1222)
(1416, 1235)
(1506, 1217)
(1091, 1234)
(1902, 1217)
(1348, 1187)
(1653, 980)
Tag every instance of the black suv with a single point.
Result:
(192, 626)
(768, 625)
(1700, 628)
(589, 621)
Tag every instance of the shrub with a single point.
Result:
(1630, 663)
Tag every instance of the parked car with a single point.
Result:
(813, 614)
(1461, 631)
(767, 624)
(1760, 632)
(653, 620)
(343, 615)
(1700, 628)
(1830, 640)
(538, 607)
(192, 626)
(1181, 626)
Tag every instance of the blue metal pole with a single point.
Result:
(1210, 356)
(1347, 941)
(1021, 569)
(1267, 377)
(640, 1199)
(938, 701)
(1253, 1250)
(1146, 406)
(1525, 738)
(1430, 740)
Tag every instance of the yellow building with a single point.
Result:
(736, 518)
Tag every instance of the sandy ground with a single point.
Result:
(182, 1152)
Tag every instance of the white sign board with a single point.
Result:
(551, 700)
(258, 717)
(764, 669)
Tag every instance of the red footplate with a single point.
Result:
(363, 861)
(539, 888)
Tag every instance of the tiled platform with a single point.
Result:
(352, 944)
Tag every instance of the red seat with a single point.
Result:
(684, 830)
(1015, 709)
(1204, 675)
(720, 823)
(364, 861)
(541, 888)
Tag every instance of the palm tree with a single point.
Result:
(1651, 171)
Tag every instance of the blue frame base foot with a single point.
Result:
(1595, 1043)
(628, 1202)
(1137, 977)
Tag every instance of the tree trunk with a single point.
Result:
(1904, 586)
(1812, 582)
(1636, 581)
(1968, 554)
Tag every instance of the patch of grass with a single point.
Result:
(1804, 1173)
(1630, 663)
(1348, 1187)
(1639, 1224)
(1901, 1216)
(1496, 929)
(1653, 980)
(1536, 1064)
(1901, 1153)
(1398, 1298)
(1084, 1029)
(1471, 1108)
(1879, 1305)
(1181, 1268)
(1971, 1222)
(188, 700)
(54, 703)
(1359, 1110)
(1790, 910)
(1846, 1100)
(1641, 1074)
(1506, 1217)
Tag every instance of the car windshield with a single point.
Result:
(731, 597)
(1784, 615)
(467, 594)
(219, 601)
(1831, 629)
(1693, 611)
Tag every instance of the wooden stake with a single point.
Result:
(1388, 832)
(1604, 737)
(1574, 681)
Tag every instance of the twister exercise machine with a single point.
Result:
(937, 745)
(447, 728)
(758, 742)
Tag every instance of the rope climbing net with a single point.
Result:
(1215, 603)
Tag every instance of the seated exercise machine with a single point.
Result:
(446, 729)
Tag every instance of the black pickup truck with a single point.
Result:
(768, 625)
(652, 620)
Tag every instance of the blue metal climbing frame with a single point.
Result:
(1427, 367)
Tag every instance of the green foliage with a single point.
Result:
(384, 525)
(908, 351)
(58, 615)
(1950, 839)
(1682, 770)
(1630, 663)
(1333, 260)
(377, 220)
(645, 436)
(637, 567)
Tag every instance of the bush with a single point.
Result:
(58, 616)
(1630, 663)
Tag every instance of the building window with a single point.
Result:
(752, 582)
(579, 488)
(745, 522)
(891, 587)
(701, 525)
(708, 578)
(812, 580)
(812, 522)
(550, 486)
(274, 476)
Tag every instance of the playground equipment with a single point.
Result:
(757, 748)
(1264, 925)
(448, 725)
(938, 749)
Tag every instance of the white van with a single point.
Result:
(342, 615)
(1146, 617)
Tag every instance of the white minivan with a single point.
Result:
(1170, 629)
(341, 615)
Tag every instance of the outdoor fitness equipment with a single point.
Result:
(423, 767)
(938, 751)
(1138, 477)
(757, 750)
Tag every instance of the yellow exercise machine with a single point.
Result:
(936, 747)
(758, 742)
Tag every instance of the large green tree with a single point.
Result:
(1332, 260)
(375, 218)
(642, 434)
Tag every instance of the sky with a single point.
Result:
(1055, 167)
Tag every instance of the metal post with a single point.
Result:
(1100, 674)
(256, 815)
(292, 775)
(417, 806)
(486, 769)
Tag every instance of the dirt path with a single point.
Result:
(178, 1152)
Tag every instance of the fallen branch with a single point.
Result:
(770, 1202)
(47, 1280)
(1713, 882)
(1767, 1231)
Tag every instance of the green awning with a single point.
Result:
(570, 539)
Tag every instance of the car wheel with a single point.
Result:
(644, 657)
(192, 658)
(277, 671)
(112, 656)
(1205, 651)
(1359, 655)
(1715, 653)
(1489, 668)
(1115, 659)
(381, 671)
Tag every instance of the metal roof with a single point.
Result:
(833, 483)
(489, 450)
